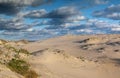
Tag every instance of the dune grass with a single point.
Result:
(17, 64)
(21, 67)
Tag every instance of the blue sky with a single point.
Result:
(41, 19)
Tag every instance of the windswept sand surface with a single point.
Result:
(95, 56)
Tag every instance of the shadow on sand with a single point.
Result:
(117, 61)
(37, 52)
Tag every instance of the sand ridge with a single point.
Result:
(61, 65)
(94, 56)
(70, 56)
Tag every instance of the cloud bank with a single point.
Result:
(111, 12)
(59, 18)
(12, 7)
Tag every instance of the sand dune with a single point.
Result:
(52, 63)
(70, 56)
(77, 56)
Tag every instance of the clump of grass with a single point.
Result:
(17, 50)
(21, 67)
(82, 58)
(18, 66)
(23, 51)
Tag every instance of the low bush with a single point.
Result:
(21, 67)
(18, 66)
(23, 51)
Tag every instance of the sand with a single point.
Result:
(94, 56)
(70, 56)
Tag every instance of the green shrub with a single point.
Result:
(23, 51)
(18, 66)
(21, 67)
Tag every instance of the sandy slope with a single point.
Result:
(77, 56)
(52, 64)
(7, 73)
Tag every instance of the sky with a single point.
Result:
(42, 19)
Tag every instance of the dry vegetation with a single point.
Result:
(22, 67)
(14, 59)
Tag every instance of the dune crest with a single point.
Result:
(68, 56)
(77, 56)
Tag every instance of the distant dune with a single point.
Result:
(70, 56)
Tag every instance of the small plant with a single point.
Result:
(23, 51)
(18, 66)
(21, 67)
(10, 48)
(82, 58)
(16, 63)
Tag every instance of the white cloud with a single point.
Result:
(85, 30)
(36, 13)
(30, 30)
(115, 29)
(111, 12)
